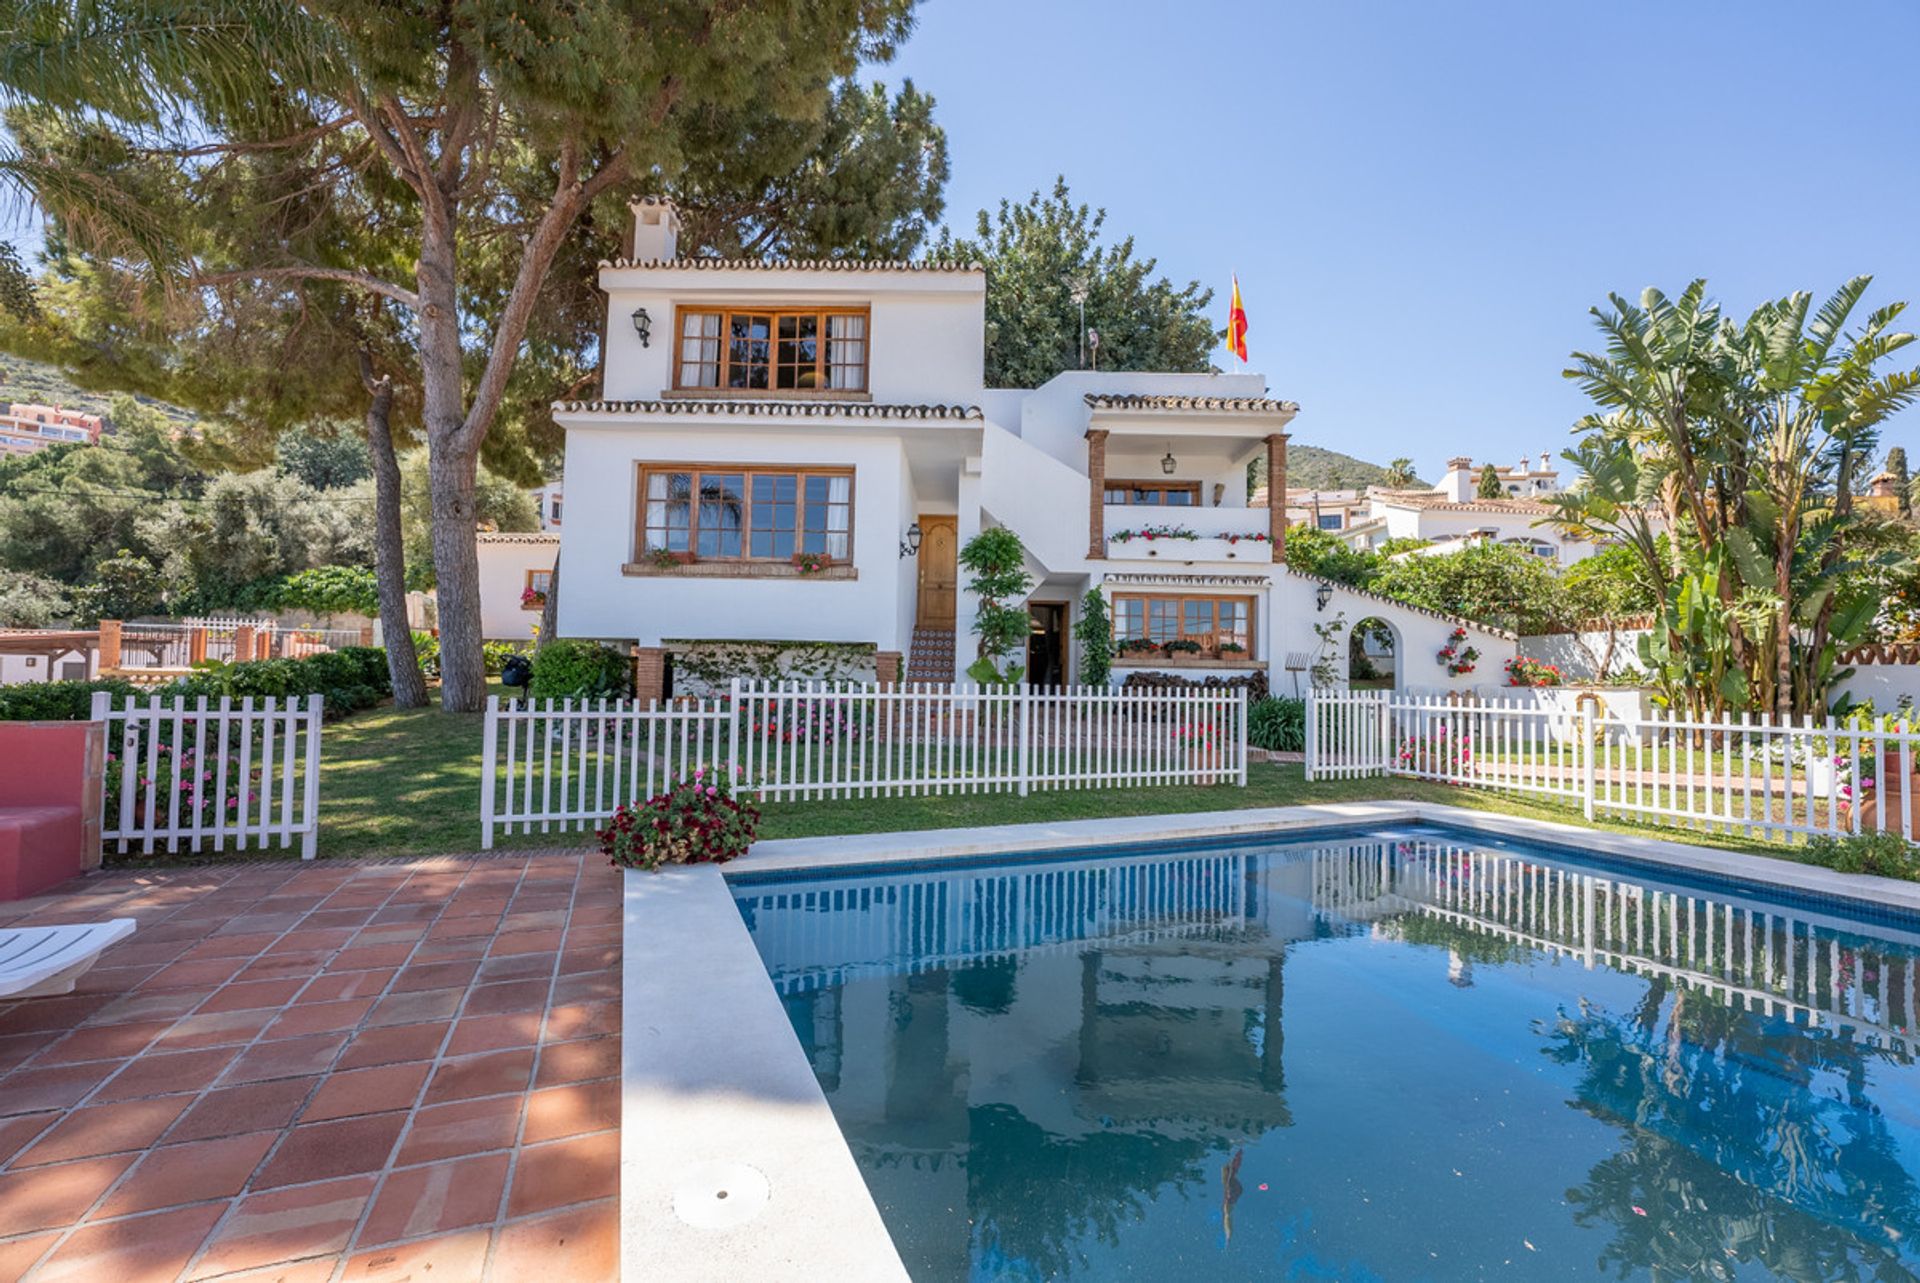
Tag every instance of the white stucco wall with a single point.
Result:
(1418, 636)
(599, 600)
(503, 577)
(927, 334)
(1885, 685)
(1578, 656)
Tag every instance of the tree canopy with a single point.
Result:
(1038, 254)
(1745, 440)
(465, 144)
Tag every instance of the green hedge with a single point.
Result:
(350, 679)
(569, 669)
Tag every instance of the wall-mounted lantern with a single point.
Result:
(1322, 595)
(643, 326)
(910, 545)
(1168, 464)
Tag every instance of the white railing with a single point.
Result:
(206, 777)
(568, 764)
(1752, 775)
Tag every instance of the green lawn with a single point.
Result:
(399, 783)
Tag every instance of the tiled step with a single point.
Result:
(930, 656)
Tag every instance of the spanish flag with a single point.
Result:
(1237, 324)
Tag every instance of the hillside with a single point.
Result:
(24, 380)
(1323, 469)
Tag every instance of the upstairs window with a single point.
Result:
(764, 350)
(1155, 494)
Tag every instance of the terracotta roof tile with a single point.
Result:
(1193, 404)
(517, 536)
(792, 265)
(772, 409)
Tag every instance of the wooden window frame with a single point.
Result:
(773, 313)
(531, 572)
(746, 471)
(1121, 483)
(1178, 602)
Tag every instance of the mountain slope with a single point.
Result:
(41, 384)
(1324, 469)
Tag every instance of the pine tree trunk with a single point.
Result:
(389, 549)
(453, 455)
(550, 610)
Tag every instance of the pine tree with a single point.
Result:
(1491, 486)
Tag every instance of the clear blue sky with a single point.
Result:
(1423, 199)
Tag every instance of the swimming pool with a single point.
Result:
(1405, 1054)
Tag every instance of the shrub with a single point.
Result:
(697, 821)
(1525, 671)
(566, 668)
(1885, 854)
(1278, 725)
(57, 701)
(1094, 631)
(426, 647)
(330, 590)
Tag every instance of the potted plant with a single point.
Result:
(1138, 646)
(1456, 656)
(667, 559)
(696, 821)
(1183, 646)
(533, 599)
(1231, 648)
(811, 563)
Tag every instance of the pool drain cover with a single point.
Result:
(718, 1196)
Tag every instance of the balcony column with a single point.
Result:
(1277, 494)
(1097, 493)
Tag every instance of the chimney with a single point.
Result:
(656, 229)
(1458, 485)
(1546, 461)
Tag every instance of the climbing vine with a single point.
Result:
(713, 664)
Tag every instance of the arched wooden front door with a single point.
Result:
(939, 570)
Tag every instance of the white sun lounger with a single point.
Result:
(36, 961)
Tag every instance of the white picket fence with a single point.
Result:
(1752, 775)
(199, 776)
(567, 765)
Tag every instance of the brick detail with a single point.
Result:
(243, 643)
(1097, 493)
(886, 667)
(649, 673)
(109, 643)
(1277, 494)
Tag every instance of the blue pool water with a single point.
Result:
(1406, 1055)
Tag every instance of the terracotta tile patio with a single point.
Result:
(328, 1072)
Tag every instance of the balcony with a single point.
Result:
(1145, 533)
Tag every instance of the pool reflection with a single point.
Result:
(1078, 1069)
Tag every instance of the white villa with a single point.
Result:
(1452, 515)
(794, 453)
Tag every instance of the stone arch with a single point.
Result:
(1376, 656)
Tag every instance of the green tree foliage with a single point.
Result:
(251, 526)
(1094, 631)
(498, 504)
(447, 126)
(1400, 475)
(997, 560)
(1746, 439)
(1036, 254)
(324, 461)
(331, 590)
(32, 601)
(1490, 486)
(65, 508)
(1324, 555)
(124, 586)
(1490, 583)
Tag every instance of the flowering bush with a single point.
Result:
(1137, 646)
(192, 777)
(1440, 753)
(1457, 657)
(1197, 737)
(1151, 533)
(812, 563)
(1522, 671)
(807, 721)
(697, 821)
(1256, 537)
(533, 599)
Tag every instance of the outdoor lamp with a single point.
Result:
(910, 546)
(1168, 464)
(643, 326)
(1322, 595)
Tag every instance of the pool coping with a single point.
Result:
(713, 1075)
